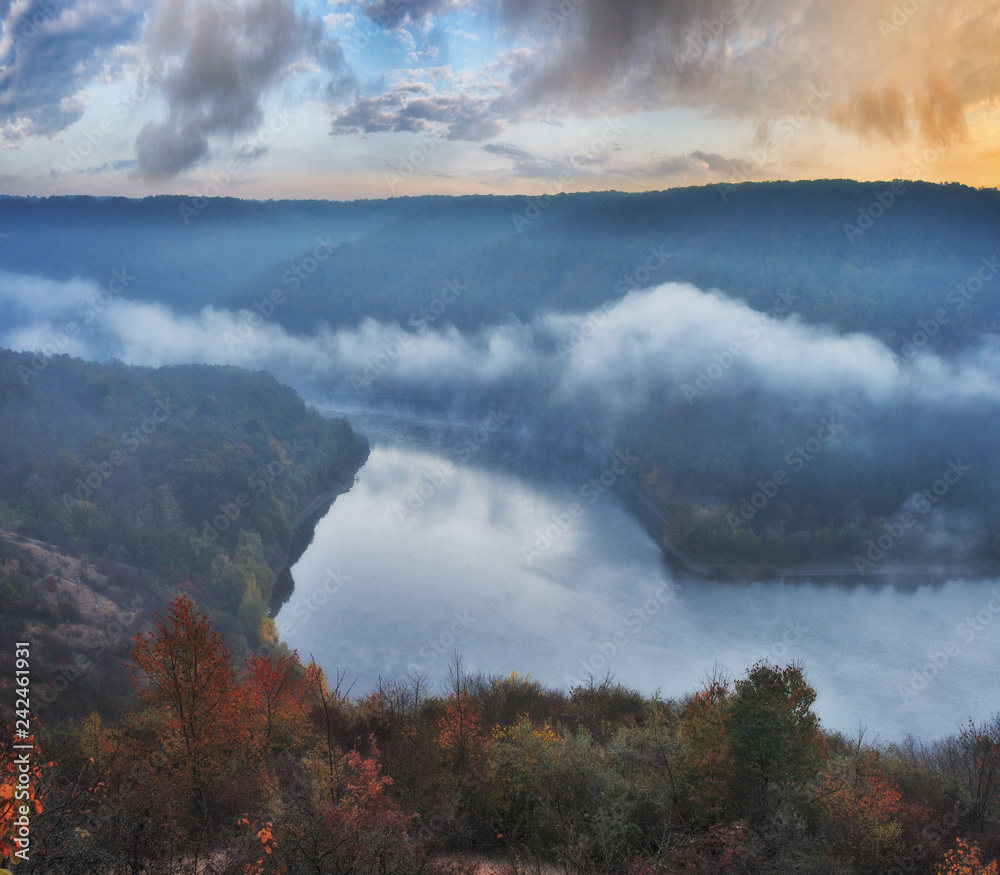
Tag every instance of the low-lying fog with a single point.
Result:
(460, 565)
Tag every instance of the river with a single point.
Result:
(436, 551)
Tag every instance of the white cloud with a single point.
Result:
(649, 348)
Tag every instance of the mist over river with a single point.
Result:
(438, 549)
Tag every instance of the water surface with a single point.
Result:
(429, 555)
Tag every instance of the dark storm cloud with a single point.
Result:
(49, 50)
(896, 73)
(636, 52)
(889, 74)
(222, 60)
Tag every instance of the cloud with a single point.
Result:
(657, 342)
(940, 112)
(934, 112)
(873, 111)
(49, 51)
(391, 14)
(760, 61)
(529, 166)
(644, 351)
(895, 79)
(698, 164)
(417, 106)
(222, 59)
(31, 298)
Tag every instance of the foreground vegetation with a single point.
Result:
(269, 767)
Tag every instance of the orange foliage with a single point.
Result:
(186, 678)
(963, 859)
(277, 702)
(18, 798)
(864, 810)
(460, 734)
(703, 733)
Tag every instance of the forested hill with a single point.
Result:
(716, 433)
(868, 256)
(179, 250)
(524, 256)
(194, 472)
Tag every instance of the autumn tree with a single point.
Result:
(183, 673)
(708, 767)
(106, 811)
(862, 808)
(327, 707)
(276, 694)
(460, 736)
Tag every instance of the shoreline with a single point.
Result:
(838, 573)
(303, 532)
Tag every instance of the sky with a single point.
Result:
(344, 99)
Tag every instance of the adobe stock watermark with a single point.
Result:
(937, 659)
(796, 459)
(589, 152)
(637, 279)
(883, 201)
(442, 645)
(958, 299)
(585, 329)
(251, 320)
(87, 311)
(431, 482)
(723, 360)
(697, 44)
(557, 17)
(74, 670)
(130, 440)
(68, 675)
(545, 537)
(248, 152)
(619, 640)
(308, 602)
(784, 130)
(47, 12)
(376, 365)
(450, 292)
(580, 333)
(375, 16)
(122, 107)
(901, 14)
(408, 164)
(922, 502)
(777, 653)
(230, 512)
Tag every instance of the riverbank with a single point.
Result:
(901, 574)
(303, 531)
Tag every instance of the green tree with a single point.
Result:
(774, 736)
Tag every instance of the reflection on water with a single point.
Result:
(425, 557)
